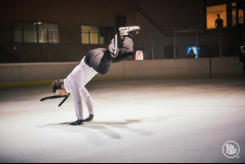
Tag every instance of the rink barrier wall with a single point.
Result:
(148, 69)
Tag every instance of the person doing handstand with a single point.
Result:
(95, 61)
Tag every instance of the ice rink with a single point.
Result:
(135, 121)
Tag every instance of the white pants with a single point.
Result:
(78, 97)
(75, 85)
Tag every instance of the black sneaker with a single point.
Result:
(75, 123)
(90, 118)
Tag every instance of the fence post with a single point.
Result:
(197, 43)
(210, 68)
(220, 43)
(174, 45)
(152, 47)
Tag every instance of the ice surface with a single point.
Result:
(135, 121)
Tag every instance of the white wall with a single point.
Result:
(170, 68)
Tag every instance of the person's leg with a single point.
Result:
(126, 51)
(99, 59)
(127, 48)
(77, 100)
(86, 96)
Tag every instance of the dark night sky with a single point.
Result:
(171, 14)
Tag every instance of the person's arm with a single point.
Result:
(85, 94)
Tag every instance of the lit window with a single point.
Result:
(241, 16)
(85, 38)
(43, 33)
(89, 35)
(94, 38)
(53, 33)
(212, 12)
(36, 33)
(95, 35)
(30, 33)
(18, 33)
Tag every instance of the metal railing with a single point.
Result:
(155, 45)
(190, 44)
